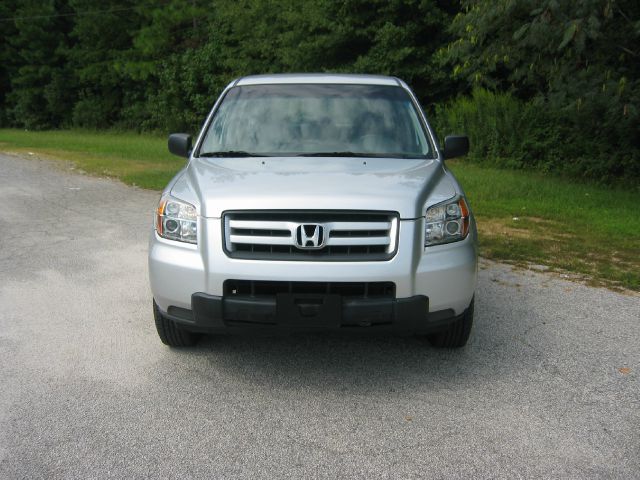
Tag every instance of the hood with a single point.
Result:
(216, 185)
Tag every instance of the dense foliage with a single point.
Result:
(575, 66)
(545, 84)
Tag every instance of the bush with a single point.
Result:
(503, 130)
(511, 133)
(91, 113)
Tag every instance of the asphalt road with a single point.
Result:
(549, 385)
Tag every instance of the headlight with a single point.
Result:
(177, 220)
(446, 222)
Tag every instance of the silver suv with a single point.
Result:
(314, 202)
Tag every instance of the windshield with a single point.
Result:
(338, 120)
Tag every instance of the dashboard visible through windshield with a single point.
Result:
(316, 120)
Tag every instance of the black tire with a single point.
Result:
(457, 334)
(170, 333)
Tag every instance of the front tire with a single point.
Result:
(457, 334)
(170, 333)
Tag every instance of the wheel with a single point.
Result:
(170, 333)
(457, 334)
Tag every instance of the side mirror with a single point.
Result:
(455, 146)
(180, 144)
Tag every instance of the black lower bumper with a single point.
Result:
(299, 312)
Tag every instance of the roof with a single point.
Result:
(331, 78)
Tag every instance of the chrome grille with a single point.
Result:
(342, 235)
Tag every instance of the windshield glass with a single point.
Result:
(344, 120)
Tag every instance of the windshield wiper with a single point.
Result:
(359, 154)
(337, 154)
(231, 153)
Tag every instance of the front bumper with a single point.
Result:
(445, 274)
(272, 314)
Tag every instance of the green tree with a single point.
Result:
(580, 61)
(185, 59)
(172, 60)
(41, 85)
(101, 38)
(396, 37)
(8, 60)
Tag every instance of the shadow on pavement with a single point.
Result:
(368, 363)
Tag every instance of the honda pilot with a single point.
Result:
(314, 203)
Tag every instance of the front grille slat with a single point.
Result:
(345, 235)
(259, 240)
(260, 224)
(358, 226)
(358, 241)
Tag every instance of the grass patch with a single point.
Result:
(523, 217)
(135, 159)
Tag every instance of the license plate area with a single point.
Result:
(309, 310)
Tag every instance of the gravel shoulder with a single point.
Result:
(549, 385)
